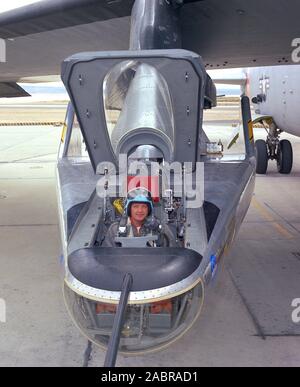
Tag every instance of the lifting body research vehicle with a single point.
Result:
(140, 114)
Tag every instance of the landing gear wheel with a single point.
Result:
(262, 157)
(285, 157)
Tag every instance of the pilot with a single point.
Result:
(138, 219)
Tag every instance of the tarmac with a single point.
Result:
(247, 314)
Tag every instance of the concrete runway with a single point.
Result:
(15, 112)
(246, 320)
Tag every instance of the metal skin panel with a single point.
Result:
(230, 187)
(54, 14)
(84, 74)
(77, 181)
(142, 297)
(154, 25)
(226, 34)
(241, 33)
(280, 87)
(231, 33)
(12, 90)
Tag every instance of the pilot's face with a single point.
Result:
(139, 212)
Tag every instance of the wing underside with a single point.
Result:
(232, 33)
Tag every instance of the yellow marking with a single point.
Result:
(234, 140)
(269, 121)
(119, 206)
(63, 134)
(250, 127)
(260, 119)
(269, 217)
(36, 123)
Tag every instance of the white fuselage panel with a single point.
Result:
(281, 87)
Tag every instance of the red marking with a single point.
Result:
(160, 307)
(106, 308)
(151, 183)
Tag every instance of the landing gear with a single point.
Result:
(273, 149)
(285, 157)
(262, 157)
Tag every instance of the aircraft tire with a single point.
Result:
(285, 157)
(261, 157)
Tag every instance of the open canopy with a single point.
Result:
(173, 85)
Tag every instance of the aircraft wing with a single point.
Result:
(231, 33)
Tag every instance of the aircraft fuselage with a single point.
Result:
(279, 92)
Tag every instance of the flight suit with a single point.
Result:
(112, 232)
